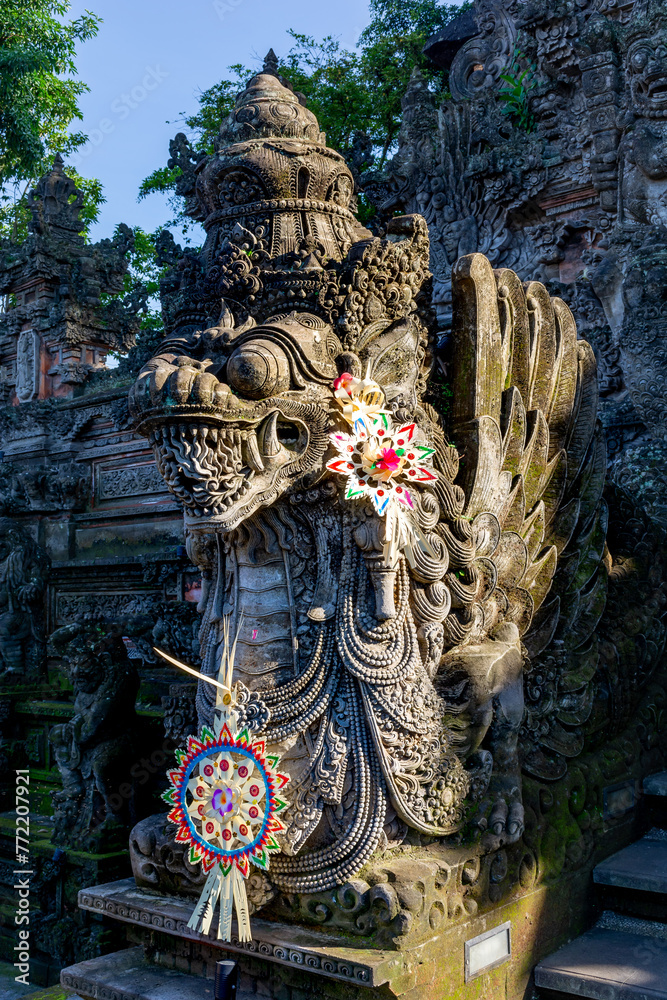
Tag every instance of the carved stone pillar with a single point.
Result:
(600, 79)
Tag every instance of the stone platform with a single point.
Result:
(289, 962)
(329, 955)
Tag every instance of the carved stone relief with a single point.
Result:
(27, 365)
(96, 748)
(564, 179)
(128, 481)
(24, 568)
(87, 606)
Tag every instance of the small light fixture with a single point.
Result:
(619, 799)
(487, 951)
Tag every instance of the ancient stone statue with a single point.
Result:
(23, 571)
(95, 749)
(390, 675)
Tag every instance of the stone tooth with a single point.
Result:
(269, 444)
(252, 452)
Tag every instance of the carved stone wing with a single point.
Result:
(533, 456)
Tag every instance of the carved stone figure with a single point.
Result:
(392, 680)
(23, 571)
(645, 59)
(630, 282)
(27, 366)
(95, 749)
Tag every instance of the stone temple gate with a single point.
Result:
(385, 482)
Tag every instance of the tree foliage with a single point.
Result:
(398, 18)
(143, 276)
(39, 89)
(140, 293)
(356, 95)
(39, 94)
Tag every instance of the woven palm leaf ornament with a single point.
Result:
(382, 461)
(225, 798)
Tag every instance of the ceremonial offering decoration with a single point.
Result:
(361, 400)
(226, 796)
(382, 462)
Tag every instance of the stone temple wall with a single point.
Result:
(550, 157)
(93, 571)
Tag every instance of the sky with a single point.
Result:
(148, 63)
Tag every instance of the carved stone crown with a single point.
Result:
(55, 202)
(273, 175)
(276, 204)
(268, 110)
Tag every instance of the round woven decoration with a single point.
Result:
(225, 800)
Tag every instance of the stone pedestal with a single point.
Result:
(288, 962)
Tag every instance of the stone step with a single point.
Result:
(606, 964)
(656, 784)
(642, 866)
(128, 975)
(620, 922)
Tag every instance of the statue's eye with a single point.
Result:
(640, 59)
(258, 369)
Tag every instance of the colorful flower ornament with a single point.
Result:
(361, 399)
(225, 799)
(382, 462)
